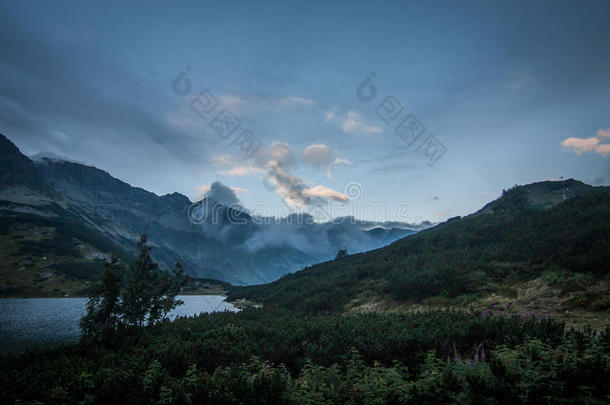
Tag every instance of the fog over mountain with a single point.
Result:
(216, 237)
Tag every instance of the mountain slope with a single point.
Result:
(226, 243)
(15, 168)
(511, 241)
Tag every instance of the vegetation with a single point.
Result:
(262, 356)
(127, 300)
(507, 242)
(302, 347)
(46, 255)
(341, 253)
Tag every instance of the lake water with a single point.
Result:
(45, 322)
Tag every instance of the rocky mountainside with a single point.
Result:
(54, 197)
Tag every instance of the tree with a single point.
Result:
(104, 304)
(164, 298)
(141, 296)
(341, 254)
(142, 281)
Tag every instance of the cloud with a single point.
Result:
(324, 192)
(240, 190)
(204, 188)
(235, 167)
(603, 133)
(603, 149)
(252, 103)
(592, 144)
(320, 155)
(222, 193)
(231, 102)
(101, 111)
(295, 101)
(580, 145)
(278, 160)
(353, 123)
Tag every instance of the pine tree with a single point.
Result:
(164, 299)
(104, 305)
(143, 296)
(141, 286)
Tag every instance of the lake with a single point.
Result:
(46, 322)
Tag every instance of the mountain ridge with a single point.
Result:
(236, 248)
(518, 253)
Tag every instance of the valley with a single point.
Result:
(305, 202)
(77, 216)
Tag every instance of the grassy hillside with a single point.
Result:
(499, 252)
(49, 253)
(46, 251)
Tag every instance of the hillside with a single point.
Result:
(512, 252)
(61, 220)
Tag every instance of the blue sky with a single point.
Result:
(514, 92)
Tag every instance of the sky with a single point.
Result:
(385, 110)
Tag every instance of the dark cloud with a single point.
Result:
(223, 194)
(50, 88)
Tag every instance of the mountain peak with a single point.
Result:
(15, 168)
(539, 195)
(176, 199)
(43, 157)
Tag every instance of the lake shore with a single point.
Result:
(46, 322)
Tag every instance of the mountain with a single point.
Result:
(74, 216)
(15, 168)
(530, 249)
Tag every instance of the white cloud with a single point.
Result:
(205, 188)
(294, 101)
(320, 155)
(279, 160)
(592, 144)
(353, 123)
(324, 192)
(250, 103)
(603, 149)
(231, 102)
(603, 133)
(580, 145)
